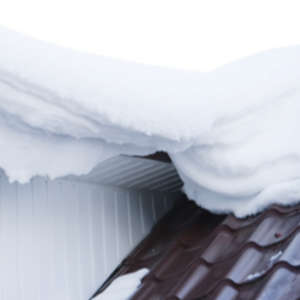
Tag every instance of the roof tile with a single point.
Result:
(193, 254)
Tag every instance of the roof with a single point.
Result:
(72, 111)
(193, 254)
(154, 172)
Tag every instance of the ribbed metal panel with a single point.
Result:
(59, 240)
(136, 173)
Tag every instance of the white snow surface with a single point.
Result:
(124, 286)
(232, 133)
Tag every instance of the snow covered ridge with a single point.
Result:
(232, 133)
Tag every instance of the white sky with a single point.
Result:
(179, 33)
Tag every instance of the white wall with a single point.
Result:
(59, 240)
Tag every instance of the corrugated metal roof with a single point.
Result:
(193, 254)
(136, 173)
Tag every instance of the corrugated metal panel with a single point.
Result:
(60, 239)
(199, 256)
(136, 173)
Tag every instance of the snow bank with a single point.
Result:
(124, 286)
(232, 133)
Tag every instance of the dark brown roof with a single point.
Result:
(159, 156)
(193, 254)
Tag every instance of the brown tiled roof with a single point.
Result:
(193, 254)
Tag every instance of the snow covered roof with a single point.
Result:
(231, 133)
(192, 254)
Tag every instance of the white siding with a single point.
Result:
(59, 240)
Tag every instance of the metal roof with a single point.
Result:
(140, 173)
(193, 254)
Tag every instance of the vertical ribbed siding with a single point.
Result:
(61, 239)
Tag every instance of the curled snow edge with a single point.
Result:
(231, 133)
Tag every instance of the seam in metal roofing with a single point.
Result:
(193, 254)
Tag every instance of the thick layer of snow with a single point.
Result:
(124, 286)
(232, 133)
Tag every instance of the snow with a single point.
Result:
(254, 276)
(232, 133)
(273, 259)
(124, 286)
(276, 256)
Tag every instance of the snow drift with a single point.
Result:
(123, 287)
(232, 133)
